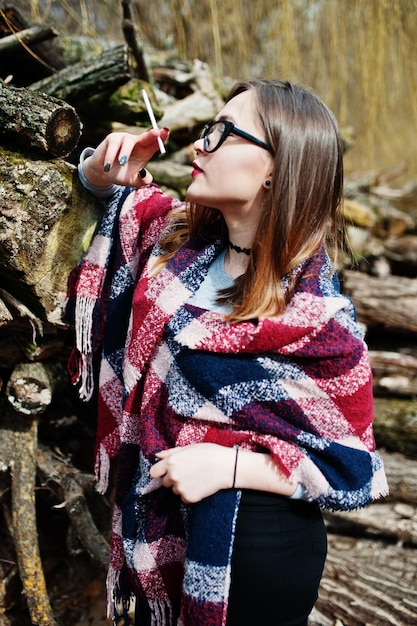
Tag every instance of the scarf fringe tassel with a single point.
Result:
(118, 606)
(83, 330)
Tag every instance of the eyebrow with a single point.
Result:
(225, 118)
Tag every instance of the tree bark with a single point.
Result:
(24, 524)
(402, 478)
(67, 480)
(370, 575)
(131, 40)
(395, 425)
(48, 220)
(39, 121)
(389, 303)
(26, 37)
(76, 83)
(32, 386)
(32, 55)
(368, 581)
(395, 373)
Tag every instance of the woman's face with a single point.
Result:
(232, 179)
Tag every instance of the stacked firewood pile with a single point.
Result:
(54, 526)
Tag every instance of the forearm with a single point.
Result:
(258, 471)
(199, 470)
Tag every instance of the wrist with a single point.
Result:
(89, 180)
(92, 175)
(257, 470)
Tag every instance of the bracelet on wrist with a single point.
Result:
(235, 467)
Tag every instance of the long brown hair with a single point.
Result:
(302, 210)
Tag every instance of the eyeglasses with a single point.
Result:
(215, 133)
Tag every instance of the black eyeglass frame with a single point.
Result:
(229, 129)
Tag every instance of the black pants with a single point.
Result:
(278, 559)
(279, 553)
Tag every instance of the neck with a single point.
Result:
(236, 261)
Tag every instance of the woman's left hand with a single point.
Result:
(195, 471)
(201, 469)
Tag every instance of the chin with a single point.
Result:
(192, 196)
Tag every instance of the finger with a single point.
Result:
(119, 149)
(157, 470)
(143, 177)
(149, 139)
(126, 156)
(163, 454)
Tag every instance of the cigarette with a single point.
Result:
(162, 148)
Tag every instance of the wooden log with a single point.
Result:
(123, 105)
(5, 314)
(197, 108)
(10, 352)
(39, 121)
(395, 373)
(130, 36)
(25, 456)
(24, 524)
(370, 575)
(23, 336)
(396, 425)
(30, 390)
(191, 112)
(10, 585)
(170, 174)
(366, 581)
(25, 38)
(402, 478)
(32, 386)
(59, 475)
(48, 221)
(393, 223)
(35, 57)
(76, 83)
(358, 213)
(402, 254)
(389, 303)
(396, 522)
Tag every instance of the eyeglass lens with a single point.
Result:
(213, 134)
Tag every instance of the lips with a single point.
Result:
(196, 169)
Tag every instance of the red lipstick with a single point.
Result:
(196, 169)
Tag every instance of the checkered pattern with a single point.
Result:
(298, 385)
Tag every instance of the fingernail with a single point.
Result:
(165, 128)
(142, 173)
(107, 167)
(123, 160)
(155, 459)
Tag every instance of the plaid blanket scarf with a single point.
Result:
(297, 385)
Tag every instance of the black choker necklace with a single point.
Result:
(239, 249)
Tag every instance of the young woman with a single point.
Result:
(234, 383)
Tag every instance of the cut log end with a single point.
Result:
(63, 132)
(39, 121)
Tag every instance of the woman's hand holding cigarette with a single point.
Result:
(121, 158)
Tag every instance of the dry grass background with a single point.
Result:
(359, 55)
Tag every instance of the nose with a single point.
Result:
(198, 145)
